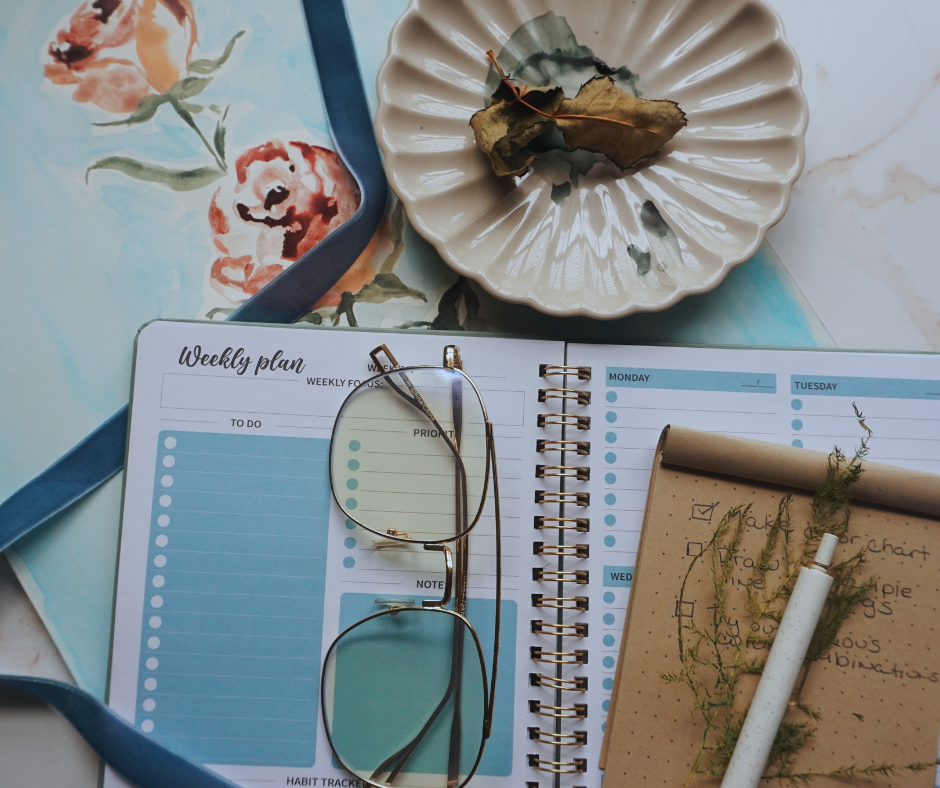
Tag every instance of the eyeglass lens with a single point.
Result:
(409, 454)
(400, 708)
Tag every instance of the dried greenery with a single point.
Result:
(715, 655)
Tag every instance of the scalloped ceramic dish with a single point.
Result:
(575, 235)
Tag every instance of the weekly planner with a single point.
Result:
(237, 569)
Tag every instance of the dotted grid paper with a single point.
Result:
(230, 648)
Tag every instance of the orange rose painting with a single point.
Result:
(280, 201)
(117, 51)
(132, 57)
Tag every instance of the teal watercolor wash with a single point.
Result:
(355, 445)
(349, 562)
(608, 684)
(603, 726)
(611, 396)
(352, 484)
(608, 662)
(610, 458)
(610, 479)
(608, 618)
(797, 404)
(611, 437)
(798, 443)
(609, 519)
(610, 499)
(608, 640)
(610, 416)
(605, 705)
(350, 524)
(353, 465)
(609, 597)
(796, 424)
(350, 543)
(609, 541)
(351, 503)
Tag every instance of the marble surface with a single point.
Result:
(857, 241)
(37, 746)
(858, 235)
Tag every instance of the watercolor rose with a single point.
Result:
(281, 200)
(116, 52)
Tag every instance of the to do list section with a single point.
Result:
(230, 648)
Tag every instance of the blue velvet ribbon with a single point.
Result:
(101, 454)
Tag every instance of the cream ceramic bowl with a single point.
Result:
(577, 236)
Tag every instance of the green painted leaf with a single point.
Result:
(146, 108)
(544, 51)
(386, 286)
(448, 308)
(177, 180)
(641, 258)
(397, 220)
(219, 140)
(206, 66)
(188, 87)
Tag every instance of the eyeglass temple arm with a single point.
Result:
(448, 575)
(488, 714)
(415, 399)
(382, 366)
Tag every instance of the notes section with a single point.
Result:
(232, 626)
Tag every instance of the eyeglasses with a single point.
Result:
(404, 692)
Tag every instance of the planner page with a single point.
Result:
(237, 568)
(798, 398)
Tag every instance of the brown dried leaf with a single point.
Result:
(509, 124)
(605, 119)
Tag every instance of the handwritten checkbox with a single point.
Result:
(684, 609)
(694, 549)
(703, 511)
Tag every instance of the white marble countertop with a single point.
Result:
(856, 240)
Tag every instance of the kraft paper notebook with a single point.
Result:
(876, 690)
(237, 569)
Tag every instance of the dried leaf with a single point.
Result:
(605, 119)
(504, 128)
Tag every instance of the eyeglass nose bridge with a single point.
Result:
(448, 575)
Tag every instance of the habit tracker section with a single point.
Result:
(233, 611)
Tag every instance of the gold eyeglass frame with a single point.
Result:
(455, 583)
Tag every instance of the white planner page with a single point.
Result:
(798, 398)
(237, 569)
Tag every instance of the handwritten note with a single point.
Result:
(877, 690)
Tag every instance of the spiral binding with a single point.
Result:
(553, 661)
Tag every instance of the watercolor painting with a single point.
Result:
(171, 157)
(272, 203)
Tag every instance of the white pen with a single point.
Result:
(780, 673)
